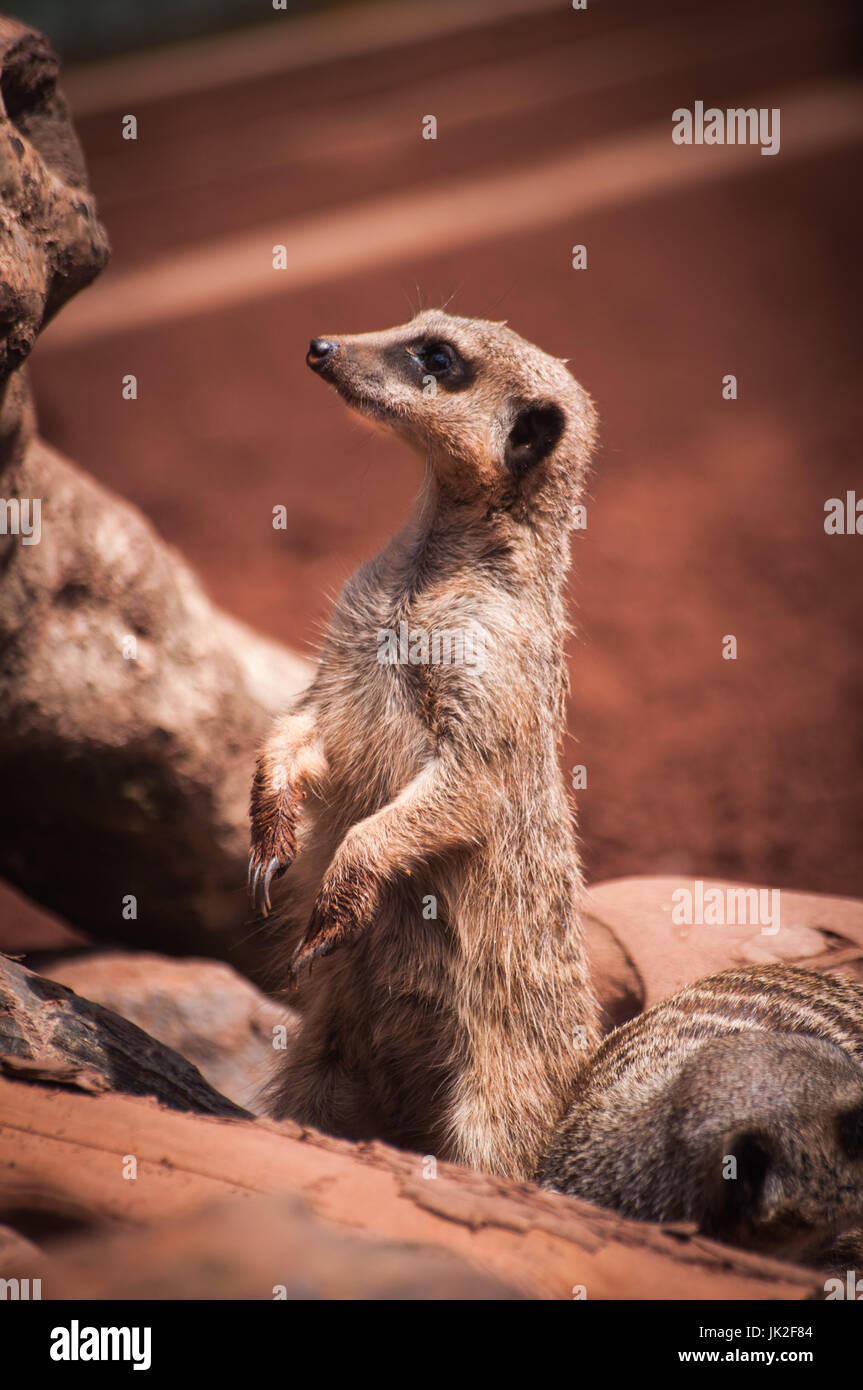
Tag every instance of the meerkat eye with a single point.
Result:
(436, 358)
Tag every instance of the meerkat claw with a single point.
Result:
(260, 878)
(252, 880)
(306, 953)
(274, 867)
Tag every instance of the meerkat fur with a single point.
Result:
(429, 907)
(736, 1104)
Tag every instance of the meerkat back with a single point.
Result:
(736, 1104)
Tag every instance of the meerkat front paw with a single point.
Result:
(344, 907)
(275, 809)
(292, 762)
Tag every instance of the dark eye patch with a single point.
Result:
(440, 359)
(437, 358)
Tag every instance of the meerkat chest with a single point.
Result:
(393, 666)
(374, 720)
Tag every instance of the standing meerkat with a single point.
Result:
(736, 1104)
(417, 809)
(414, 801)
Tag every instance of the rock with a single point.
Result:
(261, 1248)
(73, 1146)
(19, 1257)
(130, 707)
(51, 240)
(202, 1009)
(51, 1035)
(641, 955)
(618, 985)
(25, 928)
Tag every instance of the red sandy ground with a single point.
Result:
(705, 516)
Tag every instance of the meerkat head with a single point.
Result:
(786, 1175)
(496, 418)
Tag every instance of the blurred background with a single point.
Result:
(303, 126)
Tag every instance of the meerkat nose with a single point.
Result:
(320, 351)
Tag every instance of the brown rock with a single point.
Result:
(66, 1152)
(130, 708)
(50, 1034)
(202, 1009)
(641, 954)
(51, 241)
(618, 985)
(261, 1248)
(19, 1257)
(24, 927)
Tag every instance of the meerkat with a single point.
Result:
(736, 1104)
(429, 911)
(415, 806)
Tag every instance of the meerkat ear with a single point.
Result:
(850, 1127)
(532, 436)
(737, 1193)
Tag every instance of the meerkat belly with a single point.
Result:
(375, 1056)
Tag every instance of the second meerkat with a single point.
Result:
(417, 804)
